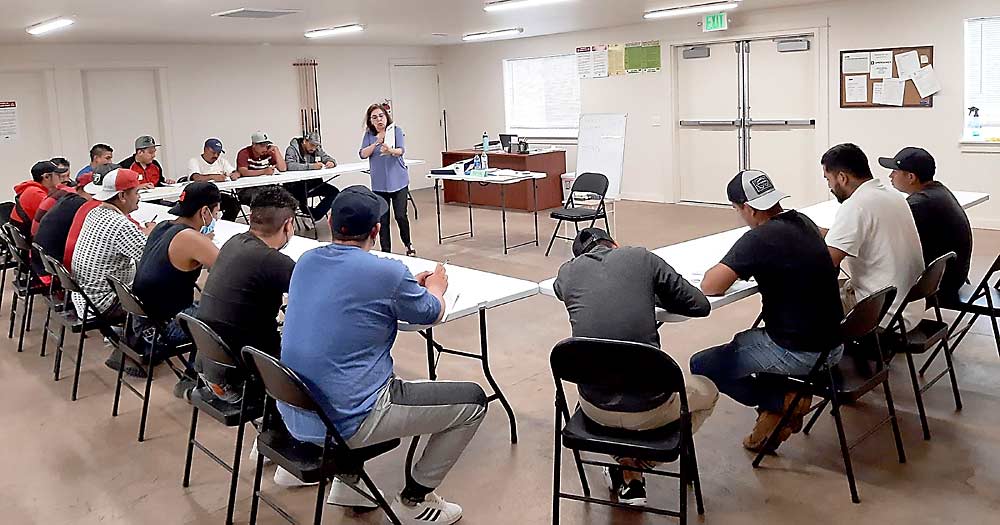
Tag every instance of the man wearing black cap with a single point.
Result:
(785, 253)
(344, 305)
(171, 263)
(941, 222)
(28, 195)
(610, 293)
(306, 153)
(212, 165)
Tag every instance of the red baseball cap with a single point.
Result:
(114, 182)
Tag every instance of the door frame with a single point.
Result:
(819, 35)
(403, 62)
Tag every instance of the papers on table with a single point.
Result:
(855, 63)
(892, 91)
(907, 64)
(926, 81)
(881, 65)
(856, 87)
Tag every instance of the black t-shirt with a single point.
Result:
(244, 293)
(797, 281)
(53, 229)
(943, 227)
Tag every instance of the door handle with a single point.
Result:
(708, 122)
(782, 122)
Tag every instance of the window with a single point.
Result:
(542, 96)
(982, 75)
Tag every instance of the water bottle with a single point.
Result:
(477, 163)
(486, 146)
(975, 125)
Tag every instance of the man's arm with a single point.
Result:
(837, 255)
(418, 303)
(192, 246)
(718, 279)
(674, 293)
(291, 159)
(279, 161)
(324, 158)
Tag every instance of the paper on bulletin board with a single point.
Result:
(8, 122)
(907, 64)
(855, 63)
(599, 54)
(927, 81)
(856, 88)
(616, 59)
(877, 93)
(881, 64)
(892, 91)
(584, 62)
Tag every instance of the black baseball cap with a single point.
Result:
(194, 196)
(46, 166)
(356, 211)
(587, 239)
(914, 160)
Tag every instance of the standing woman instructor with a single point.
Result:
(390, 178)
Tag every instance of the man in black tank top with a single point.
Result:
(171, 263)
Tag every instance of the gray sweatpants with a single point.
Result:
(450, 411)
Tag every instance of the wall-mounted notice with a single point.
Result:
(616, 59)
(584, 62)
(856, 63)
(600, 60)
(857, 88)
(642, 57)
(881, 64)
(8, 121)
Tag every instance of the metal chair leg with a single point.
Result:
(557, 471)
(553, 239)
(235, 478)
(320, 490)
(379, 498)
(31, 308)
(13, 312)
(919, 397)
(951, 372)
(189, 455)
(846, 452)
(118, 383)
(255, 499)
(145, 395)
(894, 421)
(45, 330)
(25, 315)
(696, 478)
(76, 367)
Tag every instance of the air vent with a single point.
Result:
(260, 14)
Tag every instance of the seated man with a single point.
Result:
(53, 228)
(306, 153)
(109, 245)
(99, 154)
(29, 195)
(171, 263)
(344, 306)
(212, 165)
(76, 226)
(873, 234)
(785, 253)
(245, 289)
(145, 164)
(941, 222)
(63, 188)
(610, 293)
(261, 157)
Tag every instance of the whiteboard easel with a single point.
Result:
(601, 148)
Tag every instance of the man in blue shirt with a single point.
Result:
(343, 309)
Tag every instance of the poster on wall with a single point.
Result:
(600, 60)
(616, 59)
(584, 62)
(8, 121)
(642, 57)
(651, 49)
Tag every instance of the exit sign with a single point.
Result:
(716, 22)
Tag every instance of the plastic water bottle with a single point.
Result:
(486, 146)
(477, 162)
(975, 125)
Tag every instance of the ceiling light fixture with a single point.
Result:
(694, 9)
(470, 37)
(503, 5)
(49, 25)
(333, 31)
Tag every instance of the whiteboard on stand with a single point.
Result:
(601, 148)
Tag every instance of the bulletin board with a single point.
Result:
(911, 96)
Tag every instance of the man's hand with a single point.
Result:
(330, 164)
(437, 282)
(316, 166)
(148, 228)
(170, 181)
(234, 175)
(422, 278)
(269, 170)
(146, 186)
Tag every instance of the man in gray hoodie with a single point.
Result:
(306, 153)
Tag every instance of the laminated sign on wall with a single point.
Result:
(8, 121)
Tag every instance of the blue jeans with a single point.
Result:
(731, 366)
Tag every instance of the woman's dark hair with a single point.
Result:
(368, 117)
(847, 158)
(271, 207)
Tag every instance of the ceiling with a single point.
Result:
(387, 22)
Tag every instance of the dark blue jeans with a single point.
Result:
(731, 367)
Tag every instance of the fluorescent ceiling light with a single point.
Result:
(503, 5)
(493, 34)
(333, 31)
(49, 26)
(691, 10)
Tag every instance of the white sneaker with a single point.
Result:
(284, 478)
(252, 457)
(342, 494)
(432, 510)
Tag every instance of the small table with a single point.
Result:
(502, 178)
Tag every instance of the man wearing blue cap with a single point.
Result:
(344, 304)
(212, 165)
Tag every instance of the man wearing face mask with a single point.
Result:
(171, 263)
(244, 292)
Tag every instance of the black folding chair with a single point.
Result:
(308, 462)
(863, 368)
(926, 335)
(592, 183)
(158, 351)
(631, 369)
(213, 352)
(69, 319)
(6, 259)
(54, 298)
(26, 283)
(980, 300)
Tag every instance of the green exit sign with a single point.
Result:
(716, 22)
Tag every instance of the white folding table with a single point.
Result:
(470, 292)
(501, 177)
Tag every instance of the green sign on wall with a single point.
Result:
(642, 57)
(716, 22)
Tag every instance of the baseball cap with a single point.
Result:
(587, 239)
(46, 166)
(914, 160)
(259, 137)
(356, 211)
(313, 137)
(194, 196)
(106, 186)
(215, 145)
(144, 142)
(99, 171)
(755, 189)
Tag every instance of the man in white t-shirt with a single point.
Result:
(212, 165)
(874, 234)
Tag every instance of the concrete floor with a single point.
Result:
(68, 462)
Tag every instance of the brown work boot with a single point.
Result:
(766, 423)
(798, 416)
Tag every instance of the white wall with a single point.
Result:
(473, 85)
(221, 91)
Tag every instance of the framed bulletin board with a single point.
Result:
(883, 64)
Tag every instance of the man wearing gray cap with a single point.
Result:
(306, 153)
(145, 164)
(261, 157)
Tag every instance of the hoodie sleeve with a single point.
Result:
(324, 157)
(293, 158)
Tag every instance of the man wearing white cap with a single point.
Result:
(785, 253)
